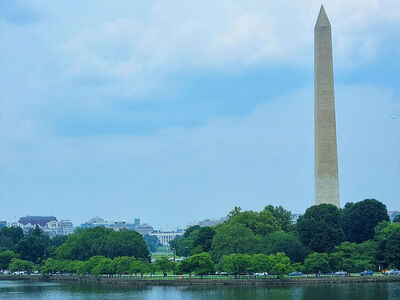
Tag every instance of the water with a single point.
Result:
(49, 290)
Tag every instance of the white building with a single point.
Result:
(166, 237)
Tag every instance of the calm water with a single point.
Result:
(44, 290)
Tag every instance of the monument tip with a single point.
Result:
(322, 18)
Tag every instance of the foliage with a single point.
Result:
(359, 219)
(152, 242)
(140, 266)
(234, 238)
(396, 219)
(103, 266)
(279, 264)
(6, 257)
(317, 262)
(165, 265)
(85, 243)
(287, 243)
(262, 223)
(33, 246)
(204, 238)
(259, 263)
(383, 231)
(392, 251)
(283, 216)
(236, 263)
(9, 237)
(319, 228)
(21, 265)
(201, 264)
(352, 257)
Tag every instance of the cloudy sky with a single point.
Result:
(175, 111)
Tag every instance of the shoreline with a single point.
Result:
(132, 281)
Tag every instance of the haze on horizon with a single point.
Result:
(173, 111)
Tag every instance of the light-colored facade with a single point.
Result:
(326, 163)
(166, 237)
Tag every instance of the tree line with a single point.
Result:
(325, 238)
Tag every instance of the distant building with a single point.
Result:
(392, 214)
(137, 222)
(211, 222)
(3, 224)
(36, 220)
(144, 229)
(62, 227)
(295, 217)
(166, 237)
(115, 225)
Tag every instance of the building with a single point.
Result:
(166, 237)
(115, 225)
(392, 214)
(3, 224)
(295, 217)
(325, 143)
(144, 229)
(36, 220)
(211, 222)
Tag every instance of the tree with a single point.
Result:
(279, 264)
(10, 236)
(140, 266)
(317, 262)
(201, 264)
(5, 258)
(287, 243)
(236, 263)
(392, 251)
(184, 267)
(204, 238)
(396, 219)
(103, 266)
(152, 242)
(259, 263)
(262, 223)
(164, 265)
(122, 264)
(359, 219)
(234, 238)
(283, 216)
(21, 265)
(33, 246)
(85, 243)
(319, 228)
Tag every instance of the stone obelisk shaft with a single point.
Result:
(326, 164)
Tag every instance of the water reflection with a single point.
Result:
(49, 290)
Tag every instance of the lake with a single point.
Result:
(51, 290)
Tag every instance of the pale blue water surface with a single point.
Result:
(50, 290)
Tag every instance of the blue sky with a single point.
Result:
(175, 111)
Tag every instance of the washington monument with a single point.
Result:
(326, 164)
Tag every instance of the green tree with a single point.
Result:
(33, 246)
(152, 242)
(259, 263)
(279, 264)
(392, 251)
(21, 265)
(234, 238)
(396, 219)
(262, 223)
(184, 267)
(320, 228)
(283, 216)
(236, 263)
(140, 266)
(204, 238)
(317, 262)
(201, 264)
(382, 232)
(9, 237)
(287, 243)
(85, 243)
(122, 264)
(6, 257)
(103, 266)
(164, 265)
(49, 267)
(359, 219)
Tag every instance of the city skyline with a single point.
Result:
(182, 112)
